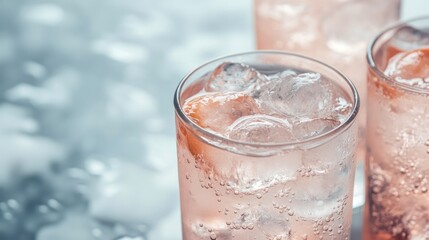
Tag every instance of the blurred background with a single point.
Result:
(87, 136)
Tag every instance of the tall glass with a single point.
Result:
(333, 31)
(398, 134)
(234, 189)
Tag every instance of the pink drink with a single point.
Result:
(266, 146)
(398, 134)
(333, 31)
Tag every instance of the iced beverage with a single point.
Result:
(266, 146)
(333, 31)
(398, 133)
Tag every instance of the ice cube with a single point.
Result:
(323, 179)
(315, 197)
(168, 228)
(260, 128)
(266, 220)
(217, 111)
(133, 194)
(233, 77)
(282, 75)
(73, 227)
(342, 108)
(313, 127)
(409, 38)
(253, 175)
(410, 67)
(305, 95)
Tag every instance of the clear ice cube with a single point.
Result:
(253, 176)
(315, 197)
(233, 77)
(314, 127)
(410, 68)
(272, 223)
(304, 95)
(260, 129)
(281, 75)
(217, 111)
(408, 38)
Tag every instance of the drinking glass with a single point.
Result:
(256, 187)
(397, 133)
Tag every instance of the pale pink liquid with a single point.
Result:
(398, 142)
(398, 169)
(300, 194)
(213, 210)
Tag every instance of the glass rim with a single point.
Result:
(291, 144)
(371, 60)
